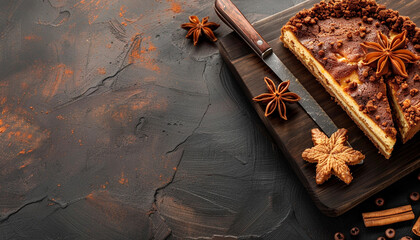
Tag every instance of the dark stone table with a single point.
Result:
(114, 126)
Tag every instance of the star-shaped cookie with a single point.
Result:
(332, 156)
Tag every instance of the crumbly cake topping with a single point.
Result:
(334, 31)
(367, 10)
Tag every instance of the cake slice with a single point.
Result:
(406, 102)
(329, 40)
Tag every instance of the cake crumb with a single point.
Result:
(414, 91)
(406, 103)
(353, 86)
(365, 73)
(370, 107)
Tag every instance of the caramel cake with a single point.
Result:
(406, 102)
(365, 56)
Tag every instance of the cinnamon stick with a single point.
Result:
(389, 216)
(416, 227)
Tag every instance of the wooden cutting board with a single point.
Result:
(293, 136)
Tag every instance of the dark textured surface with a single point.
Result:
(114, 126)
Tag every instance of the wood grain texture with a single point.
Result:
(293, 136)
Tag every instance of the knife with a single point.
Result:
(231, 15)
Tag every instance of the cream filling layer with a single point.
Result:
(377, 135)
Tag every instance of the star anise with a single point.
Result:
(195, 27)
(332, 156)
(389, 53)
(276, 97)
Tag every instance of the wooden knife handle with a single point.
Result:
(231, 15)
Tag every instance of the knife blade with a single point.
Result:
(231, 15)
